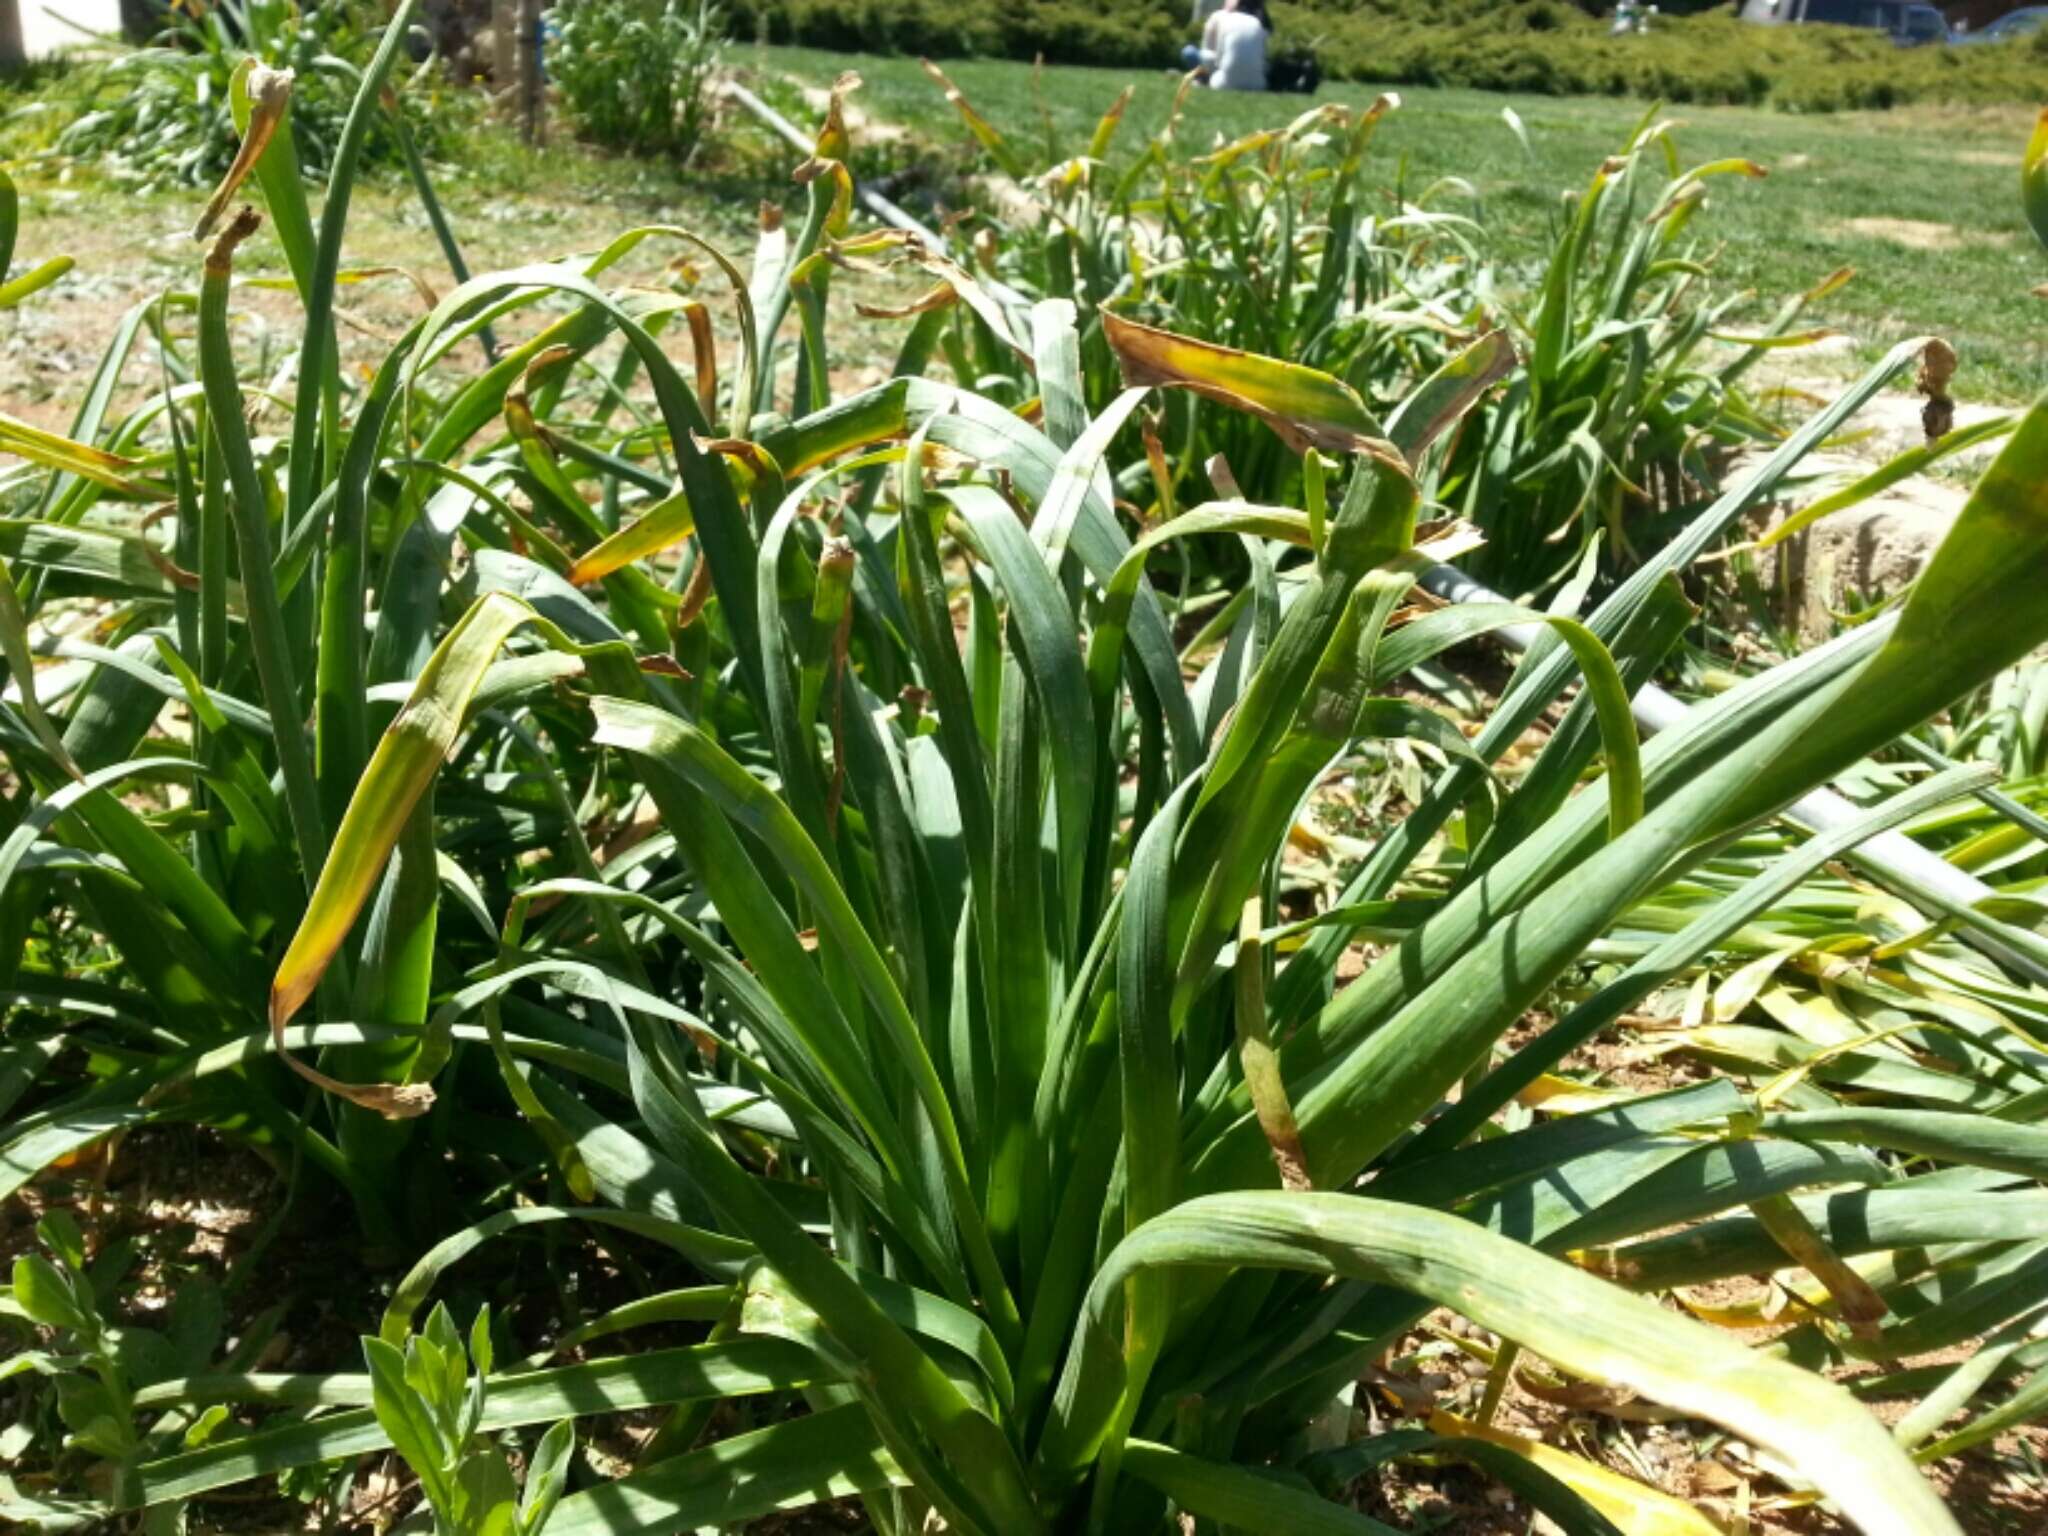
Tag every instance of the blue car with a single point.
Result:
(2013, 24)
(1908, 25)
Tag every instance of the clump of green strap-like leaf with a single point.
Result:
(1627, 384)
(783, 831)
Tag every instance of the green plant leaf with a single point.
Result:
(1547, 1307)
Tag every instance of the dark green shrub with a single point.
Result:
(633, 73)
(1133, 34)
(1129, 32)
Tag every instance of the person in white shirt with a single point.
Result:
(1233, 50)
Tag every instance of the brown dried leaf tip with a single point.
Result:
(1937, 367)
(220, 260)
(270, 94)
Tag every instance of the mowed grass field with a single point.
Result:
(1922, 202)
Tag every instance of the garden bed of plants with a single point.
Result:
(1208, 907)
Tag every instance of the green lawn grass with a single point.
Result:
(1922, 202)
(1949, 252)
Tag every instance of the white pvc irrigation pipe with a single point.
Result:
(1892, 859)
(889, 213)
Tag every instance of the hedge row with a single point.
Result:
(1110, 32)
(1552, 48)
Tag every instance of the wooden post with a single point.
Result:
(13, 47)
(532, 115)
(504, 47)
